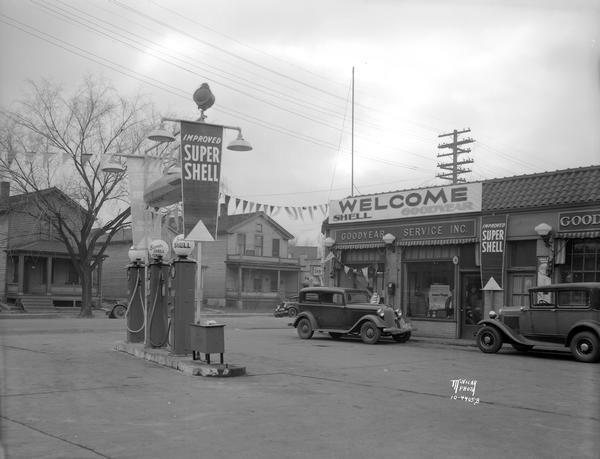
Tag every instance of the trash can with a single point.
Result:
(207, 339)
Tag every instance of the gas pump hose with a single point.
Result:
(166, 338)
(136, 290)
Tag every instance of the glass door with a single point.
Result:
(470, 304)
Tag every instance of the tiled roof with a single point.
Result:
(569, 186)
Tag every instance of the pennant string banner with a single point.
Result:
(294, 212)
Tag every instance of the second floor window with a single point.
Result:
(258, 244)
(275, 247)
(241, 244)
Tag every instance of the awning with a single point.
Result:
(360, 245)
(449, 241)
(578, 235)
(372, 245)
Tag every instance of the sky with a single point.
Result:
(522, 75)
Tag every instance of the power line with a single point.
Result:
(94, 28)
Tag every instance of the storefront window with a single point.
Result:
(363, 269)
(582, 261)
(429, 289)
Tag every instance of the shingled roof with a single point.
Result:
(228, 222)
(547, 189)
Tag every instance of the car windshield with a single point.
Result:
(357, 296)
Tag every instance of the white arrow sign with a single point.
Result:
(199, 233)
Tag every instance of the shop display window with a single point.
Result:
(429, 290)
(582, 261)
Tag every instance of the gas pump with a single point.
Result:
(182, 295)
(157, 313)
(136, 313)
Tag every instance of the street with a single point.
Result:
(67, 394)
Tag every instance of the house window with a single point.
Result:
(241, 244)
(258, 245)
(276, 247)
(259, 227)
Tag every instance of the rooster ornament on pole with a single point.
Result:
(204, 99)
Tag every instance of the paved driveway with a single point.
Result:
(67, 394)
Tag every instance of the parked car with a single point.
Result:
(115, 311)
(287, 308)
(565, 314)
(343, 311)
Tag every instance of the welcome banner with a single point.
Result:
(444, 200)
(493, 243)
(201, 148)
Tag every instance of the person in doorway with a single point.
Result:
(474, 305)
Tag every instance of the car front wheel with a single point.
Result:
(585, 347)
(489, 340)
(304, 328)
(370, 333)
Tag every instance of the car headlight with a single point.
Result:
(380, 312)
(398, 312)
(492, 314)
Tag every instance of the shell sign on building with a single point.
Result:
(444, 200)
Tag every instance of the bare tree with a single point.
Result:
(63, 141)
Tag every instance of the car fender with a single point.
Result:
(372, 317)
(506, 331)
(581, 326)
(309, 316)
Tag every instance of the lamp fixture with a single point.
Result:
(329, 242)
(544, 230)
(160, 135)
(112, 166)
(239, 144)
(389, 239)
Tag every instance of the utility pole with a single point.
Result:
(454, 167)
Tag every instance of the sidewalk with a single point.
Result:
(100, 314)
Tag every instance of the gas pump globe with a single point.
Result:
(136, 255)
(182, 247)
(159, 249)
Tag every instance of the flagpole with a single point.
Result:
(352, 184)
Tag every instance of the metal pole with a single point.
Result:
(352, 184)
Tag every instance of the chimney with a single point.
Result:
(4, 194)
(223, 210)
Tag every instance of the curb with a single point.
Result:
(183, 364)
(444, 341)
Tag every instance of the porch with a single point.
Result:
(44, 282)
(257, 283)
